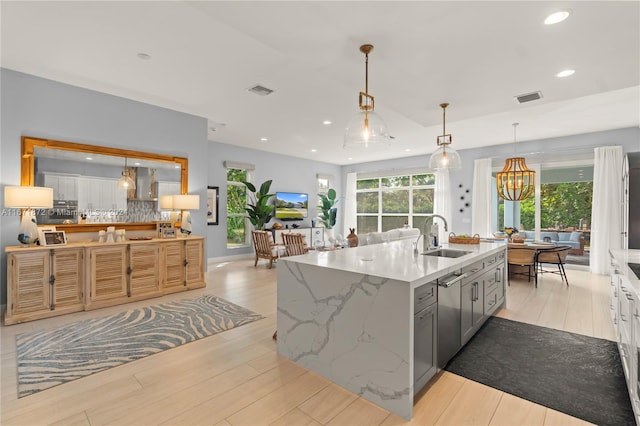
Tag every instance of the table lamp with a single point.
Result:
(28, 198)
(166, 203)
(186, 202)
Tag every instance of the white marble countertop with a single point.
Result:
(623, 257)
(396, 260)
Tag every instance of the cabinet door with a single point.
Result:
(425, 347)
(194, 253)
(472, 308)
(28, 290)
(144, 268)
(108, 273)
(68, 272)
(67, 188)
(173, 257)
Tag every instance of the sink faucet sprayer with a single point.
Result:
(430, 233)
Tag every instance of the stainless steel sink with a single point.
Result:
(446, 253)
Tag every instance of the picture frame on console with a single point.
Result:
(212, 205)
(54, 238)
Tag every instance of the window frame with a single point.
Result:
(247, 223)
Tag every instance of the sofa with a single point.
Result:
(390, 235)
(573, 239)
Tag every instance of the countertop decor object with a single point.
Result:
(464, 239)
(352, 238)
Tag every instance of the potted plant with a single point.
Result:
(258, 208)
(329, 212)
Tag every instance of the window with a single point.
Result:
(237, 224)
(390, 202)
(324, 183)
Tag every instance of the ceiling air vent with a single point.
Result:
(260, 90)
(528, 97)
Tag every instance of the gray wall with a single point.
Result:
(567, 147)
(43, 108)
(289, 174)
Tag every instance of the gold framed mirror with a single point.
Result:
(87, 183)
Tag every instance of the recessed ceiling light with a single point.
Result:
(264, 139)
(565, 73)
(89, 158)
(326, 122)
(350, 158)
(407, 150)
(314, 150)
(176, 167)
(136, 163)
(556, 17)
(144, 56)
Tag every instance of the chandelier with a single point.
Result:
(366, 130)
(515, 182)
(443, 157)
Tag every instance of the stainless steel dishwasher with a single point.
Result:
(449, 341)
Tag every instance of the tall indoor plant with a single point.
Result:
(258, 208)
(329, 213)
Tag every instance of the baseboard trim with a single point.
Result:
(215, 260)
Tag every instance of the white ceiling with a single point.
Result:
(475, 55)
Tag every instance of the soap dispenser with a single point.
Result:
(434, 235)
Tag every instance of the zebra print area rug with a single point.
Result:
(49, 358)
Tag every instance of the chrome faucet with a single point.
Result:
(430, 241)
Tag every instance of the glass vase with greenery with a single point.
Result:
(258, 208)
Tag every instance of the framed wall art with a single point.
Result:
(212, 205)
(54, 238)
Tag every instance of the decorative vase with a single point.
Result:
(28, 232)
(330, 236)
(352, 238)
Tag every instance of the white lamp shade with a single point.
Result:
(24, 197)
(445, 158)
(366, 131)
(186, 202)
(166, 202)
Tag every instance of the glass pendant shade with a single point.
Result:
(366, 130)
(125, 182)
(515, 182)
(445, 158)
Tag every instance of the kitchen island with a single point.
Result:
(366, 318)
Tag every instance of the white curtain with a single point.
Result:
(606, 220)
(350, 219)
(442, 202)
(481, 198)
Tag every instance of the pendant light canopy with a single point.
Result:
(444, 157)
(366, 130)
(515, 182)
(125, 182)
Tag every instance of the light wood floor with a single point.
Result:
(236, 377)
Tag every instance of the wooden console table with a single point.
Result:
(45, 281)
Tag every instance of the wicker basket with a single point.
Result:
(458, 240)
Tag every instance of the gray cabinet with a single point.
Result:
(425, 347)
(471, 307)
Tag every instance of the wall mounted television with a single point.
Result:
(292, 205)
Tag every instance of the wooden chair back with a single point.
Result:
(263, 246)
(294, 244)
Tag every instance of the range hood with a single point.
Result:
(146, 184)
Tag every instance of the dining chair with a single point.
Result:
(294, 244)
(522, 257)
(264, 247)
(553, 256)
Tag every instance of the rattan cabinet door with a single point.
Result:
(144, 269)
(107, 274)
(173, 257)
(68, 273)
(28, 289)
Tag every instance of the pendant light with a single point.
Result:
(515, 182)
(125, 182)
(444, 157)
(366, 130)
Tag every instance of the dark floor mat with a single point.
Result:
(578, 375)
